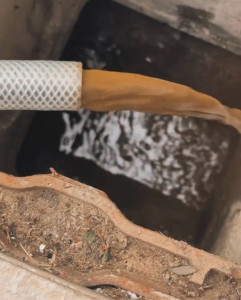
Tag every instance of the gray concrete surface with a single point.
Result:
(22, 282)
(228, 242)
(223, 234)
(36, 29)
(214, 21)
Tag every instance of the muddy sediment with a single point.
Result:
(75, 240)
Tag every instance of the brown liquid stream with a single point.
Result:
(112, 91)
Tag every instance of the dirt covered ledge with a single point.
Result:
(74, 231)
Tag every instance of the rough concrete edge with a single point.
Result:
(228, 240)
(82, 291)
(218, 209)
(226, 201)
(166, 12)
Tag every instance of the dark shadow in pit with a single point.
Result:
(140, 204)
(113, 37)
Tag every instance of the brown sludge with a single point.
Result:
(112, 91)
(77, 224)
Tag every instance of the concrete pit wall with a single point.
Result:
(214, 21)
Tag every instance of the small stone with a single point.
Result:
(132, 295)
(166, 276)
(184, 270)
(106, 256)
(41, 248)
(236, 273)
(191, 294)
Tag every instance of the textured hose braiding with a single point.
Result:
(40, 85)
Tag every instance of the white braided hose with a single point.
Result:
(54, 85)
(40, 85)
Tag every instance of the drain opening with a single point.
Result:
(161, 180)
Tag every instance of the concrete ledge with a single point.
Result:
(21, 281)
